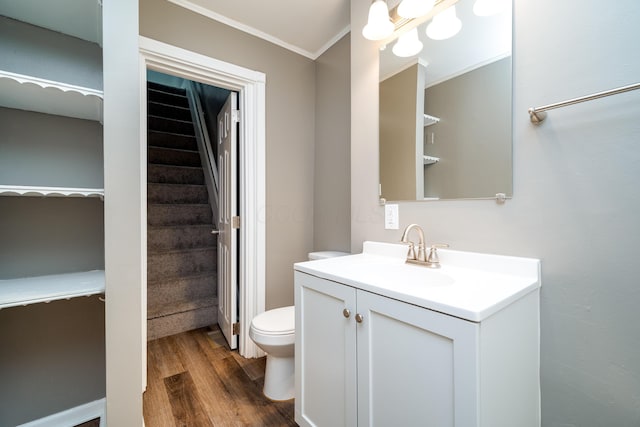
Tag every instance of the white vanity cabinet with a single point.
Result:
(366, 359)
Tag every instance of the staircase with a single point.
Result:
(181, 251)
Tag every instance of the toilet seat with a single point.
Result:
(279, 321)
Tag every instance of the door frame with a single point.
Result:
(250, 86)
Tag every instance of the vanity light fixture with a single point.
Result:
(415, 8)
(408, 44)
(489, 7)
(444, 25)
(379, 25)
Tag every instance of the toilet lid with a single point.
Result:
(276, 321)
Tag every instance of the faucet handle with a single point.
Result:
(412, 252)
(432, 259)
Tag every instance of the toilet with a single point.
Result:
(274, 332)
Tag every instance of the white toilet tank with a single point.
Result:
(326, 254)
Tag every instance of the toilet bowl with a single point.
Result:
(274, 332)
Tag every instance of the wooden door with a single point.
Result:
(228, 220)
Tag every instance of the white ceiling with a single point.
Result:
(307, 27)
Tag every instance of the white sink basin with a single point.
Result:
(469, 285)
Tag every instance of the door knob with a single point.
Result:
(359, 318)
(346, 313)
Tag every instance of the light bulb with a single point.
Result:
(408, 44)
(415, 8)
(444, 25)
(379, 25)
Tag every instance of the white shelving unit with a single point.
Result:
(31, 290)
(34, 191)
(51, 63)
(45, 96)
(430, 120)
(429, 160)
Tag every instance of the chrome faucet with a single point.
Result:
(420, 258)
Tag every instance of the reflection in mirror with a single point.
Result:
(445, 113)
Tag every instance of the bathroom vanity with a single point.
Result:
(382, 342)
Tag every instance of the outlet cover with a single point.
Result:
(391, 220)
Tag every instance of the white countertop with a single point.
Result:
(468, 285)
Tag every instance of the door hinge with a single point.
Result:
(236, 328)
(235, 116)
(235, 222)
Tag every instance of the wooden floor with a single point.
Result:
(194, 380)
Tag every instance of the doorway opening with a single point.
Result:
(250, 86)
(192, 201)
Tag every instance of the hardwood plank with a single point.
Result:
(166, 358)
(156, 405)
(246, 394)
(226, 386)
(215, 398)
(185, 403)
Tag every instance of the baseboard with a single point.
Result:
(73, 417)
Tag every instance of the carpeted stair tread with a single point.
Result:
(181, 322)
(175, 307)
(179, 237)
(173, 156)
(159, 109)
(164, 124)
(171, 140)
(167, 98)
(176, 193)
(171, 174)
(159, 214)
(177, 263)
(167, 290)
(164, 88)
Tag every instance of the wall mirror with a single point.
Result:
(446, 112)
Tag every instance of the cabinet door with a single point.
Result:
(325, 353)
(416, 367)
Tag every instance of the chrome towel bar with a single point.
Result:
(538, 114)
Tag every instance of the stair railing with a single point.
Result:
(204, 147)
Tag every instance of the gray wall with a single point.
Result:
(401, 134)
(52, 235)
(31, 50)
(575, 203)
(53, 151)
(473, 137)
(332, 194)
(290, 100)
(51, 358)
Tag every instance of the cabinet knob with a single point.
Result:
(359, 318)
(346, 313)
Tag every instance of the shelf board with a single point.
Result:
(429, 160)
(30, 93)
(32, 290)
(430, 120)
(36, 191)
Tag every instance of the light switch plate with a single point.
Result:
(391, 220)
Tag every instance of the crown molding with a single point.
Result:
(187, 4)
